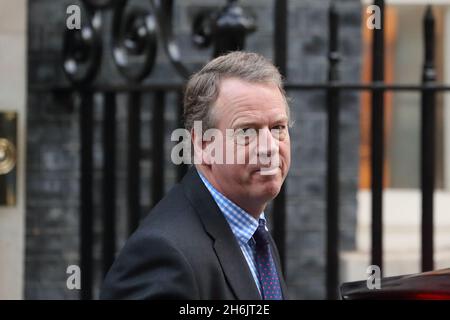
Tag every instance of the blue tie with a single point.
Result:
(267, 272)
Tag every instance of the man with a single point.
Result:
(208, 239)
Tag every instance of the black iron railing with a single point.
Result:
(134, 36)
(377, 141)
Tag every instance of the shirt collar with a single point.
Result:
(242, 224)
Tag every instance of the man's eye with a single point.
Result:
(246, 131)
(279, 132)
(245, 135)
(279, 127)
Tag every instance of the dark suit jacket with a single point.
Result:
(184, 249)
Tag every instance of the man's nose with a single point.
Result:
(267, 144)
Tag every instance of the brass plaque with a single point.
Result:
(8, 158)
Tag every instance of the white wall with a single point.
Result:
(13, 17)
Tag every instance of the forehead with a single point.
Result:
(256, 101)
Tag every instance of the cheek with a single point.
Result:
(285, 151)
(242, 175)
(235, 173)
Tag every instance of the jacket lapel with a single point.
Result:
(227, 249)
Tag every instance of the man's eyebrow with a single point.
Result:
(246, 121)
(281, 119)
(245, 124)
(254, 123)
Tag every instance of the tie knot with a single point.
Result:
(261, 235)
(262, 223)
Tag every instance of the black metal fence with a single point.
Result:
(134, 44)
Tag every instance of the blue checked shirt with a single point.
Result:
(242, 224)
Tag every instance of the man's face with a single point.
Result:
(257, 115)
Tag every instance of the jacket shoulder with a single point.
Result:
(156, 261)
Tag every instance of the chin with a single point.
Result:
(270, 190)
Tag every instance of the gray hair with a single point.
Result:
(202, 89)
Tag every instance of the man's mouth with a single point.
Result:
(268, 171)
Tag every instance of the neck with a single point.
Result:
(251, 207)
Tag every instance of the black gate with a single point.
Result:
(134, 38)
